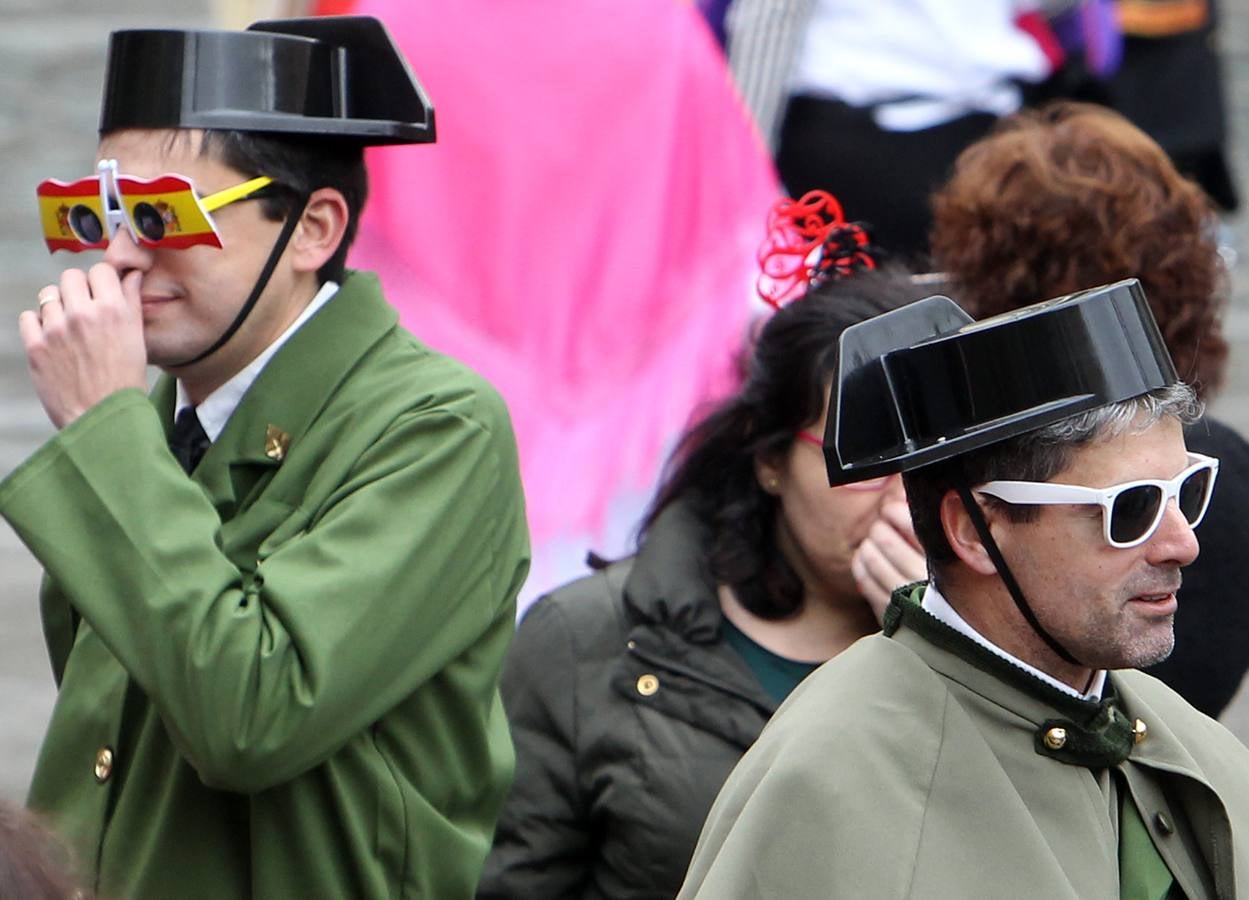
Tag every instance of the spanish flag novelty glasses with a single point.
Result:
(163, 212)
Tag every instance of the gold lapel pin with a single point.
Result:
(277, 442)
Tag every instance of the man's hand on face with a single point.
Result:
(85, 341)
(888, 557)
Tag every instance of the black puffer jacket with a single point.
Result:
(628, 711)
(1212, 624)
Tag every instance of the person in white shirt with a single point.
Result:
(873, 99)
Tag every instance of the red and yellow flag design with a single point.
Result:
(56, 199)
(172, 197)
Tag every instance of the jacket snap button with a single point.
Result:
(1165, 827)
(648, 684)
(1056, 738)
(103, 764)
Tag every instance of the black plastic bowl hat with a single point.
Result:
(925, 382)
(337, 77)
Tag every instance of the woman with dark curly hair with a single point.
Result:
(633, 692)
(1069, 196)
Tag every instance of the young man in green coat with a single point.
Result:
(276, 646)
(994, 740)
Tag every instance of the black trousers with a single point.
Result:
(883, 178)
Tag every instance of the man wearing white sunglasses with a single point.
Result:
(994, 740)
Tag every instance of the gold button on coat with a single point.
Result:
(277, 442)
(103, 764)
(648, 684)
(1056, 738)
(1139, 730)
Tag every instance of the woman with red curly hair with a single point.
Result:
(1070, 196)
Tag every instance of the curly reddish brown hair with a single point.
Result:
(1070, 196)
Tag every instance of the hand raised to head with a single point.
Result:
(888, 557)
(85, 340)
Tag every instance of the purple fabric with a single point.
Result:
(1092, 30)
(713, 11)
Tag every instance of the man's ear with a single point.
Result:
(962, 535)
(320, 231)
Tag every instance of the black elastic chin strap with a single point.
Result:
(1012, 586)
(279, 247)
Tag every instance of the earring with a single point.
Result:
(773, 483)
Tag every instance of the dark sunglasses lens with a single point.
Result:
(1133, 512)
(148, 222)
(1193, 492)
(86, 224)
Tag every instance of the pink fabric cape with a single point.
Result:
(582, 233)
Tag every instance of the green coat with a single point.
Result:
(912, 765)
(292, 662)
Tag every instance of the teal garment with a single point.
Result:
(278, 678)
(778, 675)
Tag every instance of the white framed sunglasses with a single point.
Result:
(1132, 511)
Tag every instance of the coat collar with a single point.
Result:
(288, 395)
(1122, 726)
(671, 583)
(1066, 728)
(1160, 746)
(675, 626)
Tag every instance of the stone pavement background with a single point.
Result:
(51, 62)
(51, 70)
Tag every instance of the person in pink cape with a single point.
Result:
(582, 235)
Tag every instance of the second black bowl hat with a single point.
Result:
(925, 382)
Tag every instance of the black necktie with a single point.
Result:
(189, 442)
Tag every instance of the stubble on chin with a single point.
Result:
(1130, 642)
(1150, 651)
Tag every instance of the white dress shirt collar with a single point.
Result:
(939, 608)
(218, 406)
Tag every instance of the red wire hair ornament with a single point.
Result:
(808, 240)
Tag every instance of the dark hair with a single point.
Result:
(1036, 455)
(33, 865)
(298, 166)
(785, 388)
(1070, 196)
